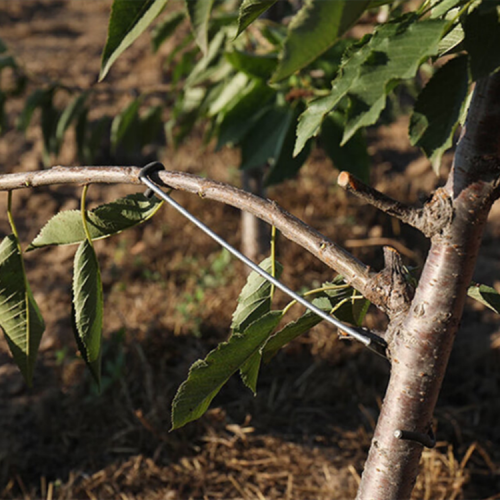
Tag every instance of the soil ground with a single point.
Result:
(170, 293)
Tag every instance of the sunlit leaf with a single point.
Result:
(315, 28)
(20, 318)
(206, 377)
(485, 294)
(88, 307)
(66, 227)
(199, 15)
(250, 10)
(127, 22)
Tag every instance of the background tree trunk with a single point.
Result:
(421, 341)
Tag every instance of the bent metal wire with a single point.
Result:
(364, 337)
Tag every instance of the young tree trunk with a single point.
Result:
(420, 340)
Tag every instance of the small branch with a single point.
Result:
(355, 272)
(430, 220)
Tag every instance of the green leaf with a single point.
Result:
(20, 318)
(206, 377)
(151, 126)
(66, 227)
(438, 108)
(239, 118)
(199, 15)
(166, 29)
(337, 300)
(442, 7)
(482, 40)
(124, 122)
(255, 298)
(253, 303)
(88, 307)
(127, 22)
(250, 10)
(452, 41)
(487, 295)
(313, 30)
(254, 65)
(3, 47)
(393, 58)
(369, 71)
(264, 141)
(286, 166)
(71, 113)
(230, 91)
(352, 156)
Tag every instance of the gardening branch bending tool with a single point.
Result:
(369, 339)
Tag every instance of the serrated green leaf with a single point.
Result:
(438, 108)
(315, 28)
(482, 40)
(250, 10)
(206, 377)
(66, 227)
(239, 118)
(254, 65)
(253, 303)
(352, 156)
(127, 22)
(255, 297)
(264, 141)
(485, 294)
(123, 123)
(199, 15)
(166, 29)
(72, 112)
(310, 121)
(88, 307)
(20, 318)
(397, 57)
(369, 71)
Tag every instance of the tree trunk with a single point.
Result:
(421, 340)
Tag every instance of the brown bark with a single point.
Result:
(421, 341)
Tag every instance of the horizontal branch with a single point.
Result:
(355, 272)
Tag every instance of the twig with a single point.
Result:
(355, 272)
(379, 200)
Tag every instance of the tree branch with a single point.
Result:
(355, 272)
(430, 220)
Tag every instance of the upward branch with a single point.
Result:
(355, 273)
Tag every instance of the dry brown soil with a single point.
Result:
(170, 293)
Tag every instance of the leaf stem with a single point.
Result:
(11, 217)
(273, 258)
(314, 291)
(84, 213)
